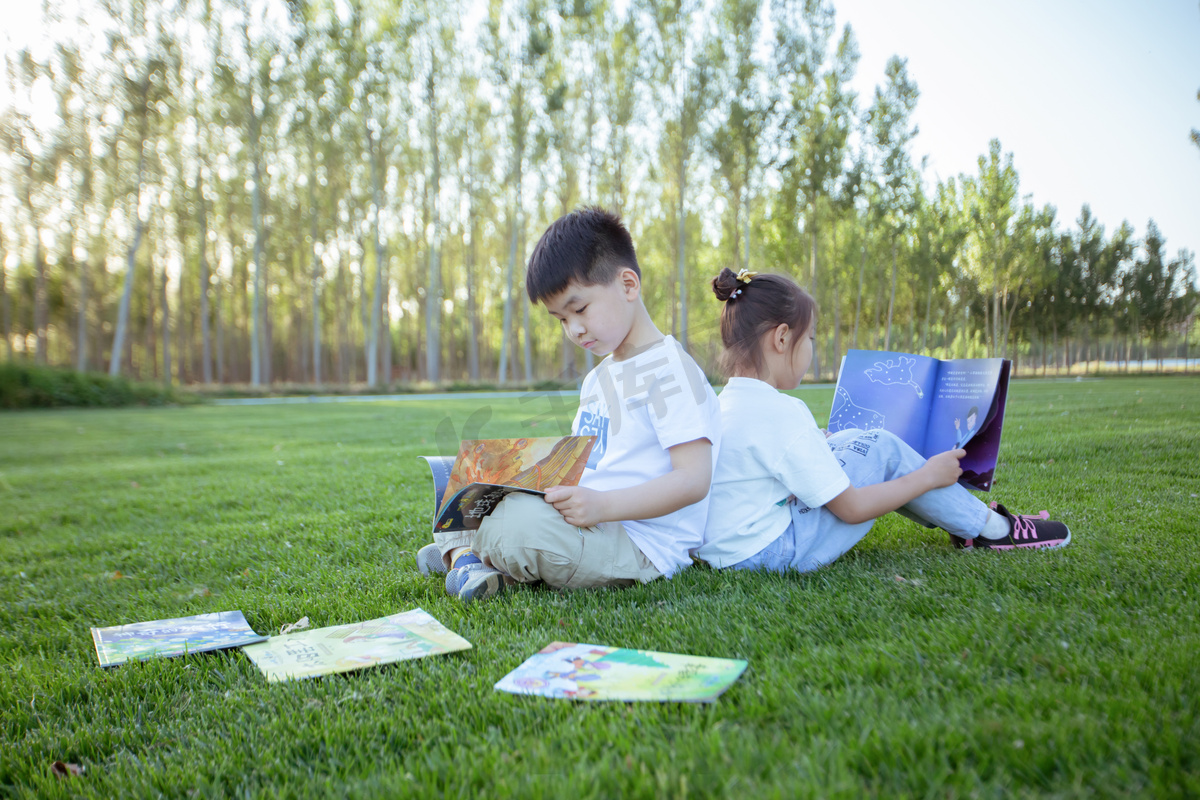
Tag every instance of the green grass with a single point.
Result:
(1070, 673)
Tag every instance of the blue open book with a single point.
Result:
(931, 404)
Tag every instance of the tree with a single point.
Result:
(817, 114)
(141, 99)
(1161, 288)
(682, 79)
(746, 107)
(516, 41)
(890, 135)
(992, 200)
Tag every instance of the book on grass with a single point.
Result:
(596, 672)
(931, 404)
(468, 486)
(172, 637)
(344, 648)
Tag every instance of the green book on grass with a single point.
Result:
(343, 648)
(172, 637)
(595, 672)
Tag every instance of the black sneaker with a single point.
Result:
(1026, 531)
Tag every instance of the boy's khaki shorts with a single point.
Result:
(528, 539)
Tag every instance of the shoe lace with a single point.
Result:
(1025, 525)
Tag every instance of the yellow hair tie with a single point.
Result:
(744, 275)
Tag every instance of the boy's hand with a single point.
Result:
(943, 469)
(579, 506)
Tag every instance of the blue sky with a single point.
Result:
(1095, 99)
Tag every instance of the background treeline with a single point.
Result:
(258, 191)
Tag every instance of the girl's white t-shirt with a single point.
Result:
(637, 409)
(772, 452)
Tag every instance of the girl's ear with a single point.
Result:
(780, 337)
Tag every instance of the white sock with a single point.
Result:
(996, 527)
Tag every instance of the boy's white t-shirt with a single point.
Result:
(772, 452)
(637, 409)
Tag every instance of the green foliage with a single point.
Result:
(27, 386)
(906, 669)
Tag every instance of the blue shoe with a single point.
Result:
(481, 582)
(429, 560)
(456, 577)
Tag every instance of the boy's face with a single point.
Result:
(597, 318)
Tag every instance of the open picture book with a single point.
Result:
(172, 637)
(931, 404)
(468, 486)
(345, 648)
(572, 671)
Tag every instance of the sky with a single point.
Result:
(1095, 99)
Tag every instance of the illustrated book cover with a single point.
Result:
(172, 637)
(344, 648)
(595, 672)
(468, 486)
(931, 404)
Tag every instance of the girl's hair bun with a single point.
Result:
(725, 284)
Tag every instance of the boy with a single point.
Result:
(642, 502)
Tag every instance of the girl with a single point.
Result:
(784, 494)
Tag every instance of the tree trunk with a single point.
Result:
(887, 338)
(206, 372)
(166, 326)
(681, 265)
(315, 272)
(81, 327)
(518, 157)
(150, 329)
(372, 335)
(341, 307)
(219, 319)
(928, 314)
(816, 360)
(385, 329)
(256, 338)
(472, 310)
(527, 338)
(433, 291)
(862, 267)
(119, 336)
(5, 306)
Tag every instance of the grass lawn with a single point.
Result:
(905, 669)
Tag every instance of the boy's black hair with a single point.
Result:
(588, 246)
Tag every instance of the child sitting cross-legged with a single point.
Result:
(787, 496)
(641, 504)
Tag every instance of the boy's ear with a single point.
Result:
(631, 284)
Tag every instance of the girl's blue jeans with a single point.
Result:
(868, 457)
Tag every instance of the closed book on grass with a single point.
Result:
(468, 486)
(596, 672)
(344, 648)
(172, 637)
(933, 405)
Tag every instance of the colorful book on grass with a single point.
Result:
(468, 486)
(931, 404)
(596, 672)
(172, 637)
(344, 648)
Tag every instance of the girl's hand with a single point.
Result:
(579, 506)
(943, 469)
